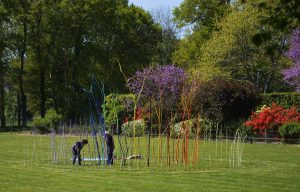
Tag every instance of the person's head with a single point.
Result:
(106, 132)
(85, 141)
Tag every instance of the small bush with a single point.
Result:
(53, 118)
(272, 118)
(138, 125)
(41, 124)
(51, 121)
(179, 128)
(225, 101)
(290, 131)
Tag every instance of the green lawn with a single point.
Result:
(26, 166)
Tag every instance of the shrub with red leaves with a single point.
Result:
(272, 118)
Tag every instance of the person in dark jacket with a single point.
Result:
(76, 148)
(110, 147)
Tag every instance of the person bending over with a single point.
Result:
(76, 148)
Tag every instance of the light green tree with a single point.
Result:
(231, 53)
(199, 17)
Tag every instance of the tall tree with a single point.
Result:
(22, 54)
(19, 10)
(37, 22)
(3, 59)
(283, 15)
(169, 34)
(57, 45)
(70, 41)
(230, 51)
(200, 17)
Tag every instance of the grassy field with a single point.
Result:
(26, 166)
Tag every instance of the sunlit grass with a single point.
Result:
(27, 165)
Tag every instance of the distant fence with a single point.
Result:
(84, 128)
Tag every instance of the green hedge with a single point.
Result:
(286, 100)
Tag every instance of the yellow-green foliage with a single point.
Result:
(189, 49)
(237, 27)
(118, 106)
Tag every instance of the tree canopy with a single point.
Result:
(51, 50)
(56, 46)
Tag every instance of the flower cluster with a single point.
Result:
(292, 75)
(272, 117)
(163, 83)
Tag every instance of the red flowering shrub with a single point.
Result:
(272, 118)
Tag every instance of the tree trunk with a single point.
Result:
(42, 92)
(19, 110)
(271, 75)
(39, 58)
(75, 100)
(42, 81)
(2, 102)
(22, 61)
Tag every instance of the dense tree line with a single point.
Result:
(241, 40)
(50, 49)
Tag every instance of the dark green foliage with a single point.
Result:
(290, 131)
(118, 106)
(225, 101)
(286, 100)
(65, 43)
(283, 14)
(259, 38)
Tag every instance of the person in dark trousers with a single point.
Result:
(110, 147)
(76, 148)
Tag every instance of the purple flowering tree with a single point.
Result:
(292, 75)
(162, 83)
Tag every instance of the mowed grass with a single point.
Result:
(26, 165)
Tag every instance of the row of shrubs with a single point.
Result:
(219, 102)
(289, 132)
